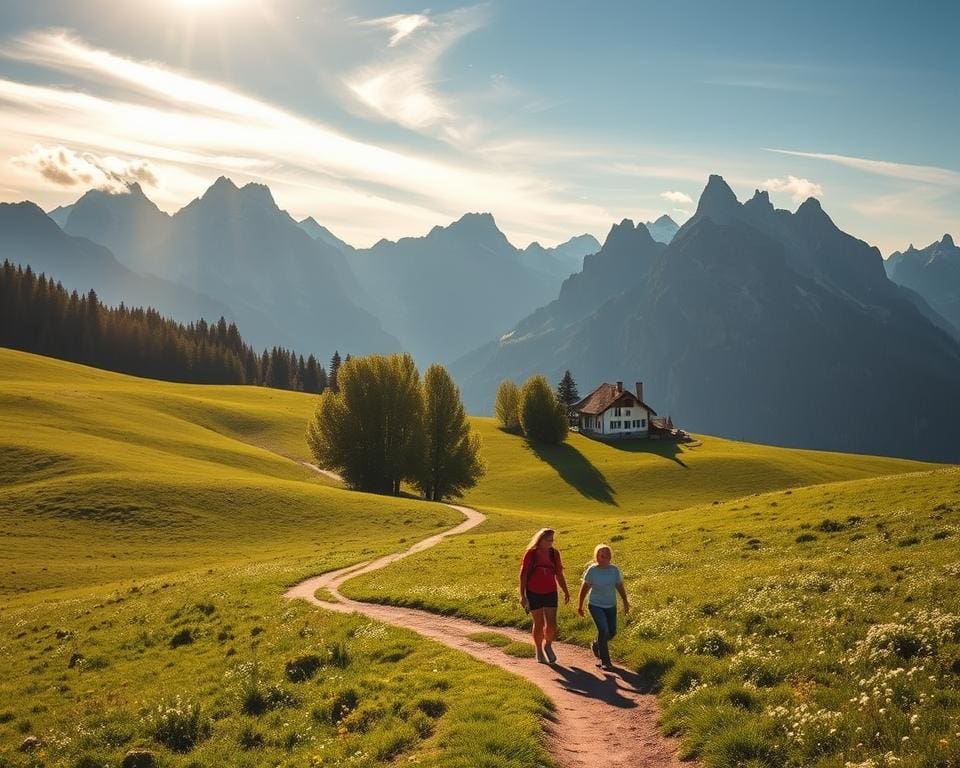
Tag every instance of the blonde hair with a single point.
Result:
(599, 548)
(539, 535)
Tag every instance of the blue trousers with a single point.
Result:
(606, 621)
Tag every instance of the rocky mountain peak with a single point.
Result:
(718, 201)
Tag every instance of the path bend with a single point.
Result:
(602, 719)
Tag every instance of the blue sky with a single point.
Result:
(384, 119)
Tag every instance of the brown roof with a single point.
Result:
(606, 396)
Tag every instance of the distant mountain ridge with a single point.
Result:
(451, 289)
(236, 245)
(663, 230)
(934, 273)
(753, 323)
(31, 238)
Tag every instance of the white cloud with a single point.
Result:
(402, 88)
(403, 25)
(923, 173)
(676, 197)
(799, 189)
(67, 168)
(190, 131)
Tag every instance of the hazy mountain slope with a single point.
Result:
(451, 289)
(934, 273)
(663, 230)
(29, 237)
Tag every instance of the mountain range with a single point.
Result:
(755, 323)
(934, 273)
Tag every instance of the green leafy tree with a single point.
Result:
(567, 390)
(370, 430)
(542, 416)
(450, 461)
(506, 406)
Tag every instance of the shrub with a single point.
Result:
(180, 726)
(250, 739)
(707, 642)
(506, 406)
(542, 416)
(829, 526)
(432, 707)
(805, 537)
(303, 668)
(183, 637)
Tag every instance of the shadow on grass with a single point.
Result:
(575, 470)
(668, 449)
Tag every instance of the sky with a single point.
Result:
(384, 119)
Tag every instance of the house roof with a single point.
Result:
(605, 397)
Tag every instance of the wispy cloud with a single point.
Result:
(923, 173)
(402, 86)
(799, 189)
(676, 197)
(403, 25)
(67, 168)
(190, 130)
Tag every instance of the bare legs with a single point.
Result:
(544, 631)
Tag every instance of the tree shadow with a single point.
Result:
(668, 449)
(575, 470)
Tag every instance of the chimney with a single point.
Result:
(640, 391)
(619, 387)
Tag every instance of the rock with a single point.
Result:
(139, 758)
(29, 744)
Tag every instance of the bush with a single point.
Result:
(805, 537)
(542, 416)
(180, 726)
(506, 406)
(183, 637)
(303, 668)
(707, 642)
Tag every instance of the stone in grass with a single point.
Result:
(139, 758)
(29, 744)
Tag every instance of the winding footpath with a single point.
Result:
(601, 719)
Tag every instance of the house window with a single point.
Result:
(616, 411)
(643, 423)
(626, 412)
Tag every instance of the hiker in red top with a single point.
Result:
(540, 573)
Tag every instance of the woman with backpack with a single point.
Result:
(540, 572)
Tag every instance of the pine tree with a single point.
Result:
(567, 390)
(450, 461)
(335, 363)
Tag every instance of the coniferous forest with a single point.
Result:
(40, 315)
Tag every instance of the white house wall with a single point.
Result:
(626, 417)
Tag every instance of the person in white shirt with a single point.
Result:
(603, 581)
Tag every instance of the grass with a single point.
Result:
(793, 608)
(147, 531)
(783, 624)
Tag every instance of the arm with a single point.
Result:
(562, 580)
(523, 581)
(584, 588)
(623, 595)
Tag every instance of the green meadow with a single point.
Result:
(147, 532)
(792, 608)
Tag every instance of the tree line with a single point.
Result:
(39, 315)
(384, 427)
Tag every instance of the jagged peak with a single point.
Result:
(665, 219)
(947, 241)
(717, 200)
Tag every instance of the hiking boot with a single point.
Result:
(595, 649)
(551, 656)
(606, 666)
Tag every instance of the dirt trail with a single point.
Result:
(602, 719)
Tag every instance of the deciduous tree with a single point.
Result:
(542, 416)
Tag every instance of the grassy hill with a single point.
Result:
(795, 608)
(147, 531)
